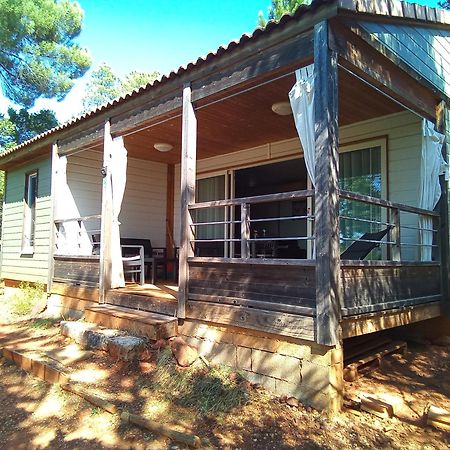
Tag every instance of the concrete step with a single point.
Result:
(154, 326)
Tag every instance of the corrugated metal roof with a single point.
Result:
(376, 7)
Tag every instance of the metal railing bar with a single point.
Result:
(386, 204)
(292, 195)
(79, 219)
(366, 240)
(419, 228)
(273, 219)
(225, 222)
(366, 220)
(294, 238)
(216, 240)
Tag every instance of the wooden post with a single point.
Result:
(107, 216)
(328, 281)
(188, 172)
(443, 239)
(245, 230)
(51, 244)
(170, 193)
(395, 236)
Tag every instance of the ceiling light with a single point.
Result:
(282, 108)
(163, 147)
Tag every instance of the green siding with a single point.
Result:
(14, 266)
(426, 50)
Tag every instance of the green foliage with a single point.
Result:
(44, 324)
(22, 302)
(277, 9)
(210, 390)
(21, 125)
(38, 55)
(105, 86)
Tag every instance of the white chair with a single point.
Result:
(134, 261)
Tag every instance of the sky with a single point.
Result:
(149, 35)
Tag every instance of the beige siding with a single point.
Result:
(143, 213)
(85, 181)
(403, 158)
(14, 266)
(144, 205)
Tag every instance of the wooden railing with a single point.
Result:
(393, 220)
(247, 242)
(75, 236)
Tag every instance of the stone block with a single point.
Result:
(315, 375)
(269, 383)
(126, 347)
(98, 339)
(290, 389)
(220, 353)
(244, 358)
(278, 366)
(326, 356)
(76, 330)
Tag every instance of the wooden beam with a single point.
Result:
(52, 230)
(107, 216)
(371, 323)
(283, 324)
(328, 282)
(441, 126)
(188, 171)
(362, 59)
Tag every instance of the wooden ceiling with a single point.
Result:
(246, 120)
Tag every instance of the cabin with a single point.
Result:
(274, 198)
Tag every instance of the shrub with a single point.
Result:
(22, 302)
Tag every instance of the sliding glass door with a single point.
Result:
(362, 171)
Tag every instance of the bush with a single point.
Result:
(22, 302)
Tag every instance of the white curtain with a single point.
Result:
(118, 171)
(432, 165)
(72, 238)
(301, 97)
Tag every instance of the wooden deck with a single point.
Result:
(160, 297)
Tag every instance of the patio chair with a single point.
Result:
(361, 248)
(134, 263)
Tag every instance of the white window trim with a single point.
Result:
(379, 142)
(27, 249)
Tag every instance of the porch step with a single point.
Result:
(152, 300)
(154, 326)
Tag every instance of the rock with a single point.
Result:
(146, 367)
(283, 398)
(183, 352)
(292, 401)
(98, 339)
(126, 347)
(159, 344)
(145, 355)
(442, 341)
(76, 330)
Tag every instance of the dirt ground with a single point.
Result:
(35, 415)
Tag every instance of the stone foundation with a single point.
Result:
(308, 371)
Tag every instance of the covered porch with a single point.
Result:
(261, 246)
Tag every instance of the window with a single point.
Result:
(362, 170)
(29, 218)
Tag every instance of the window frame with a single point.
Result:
(29, 214)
